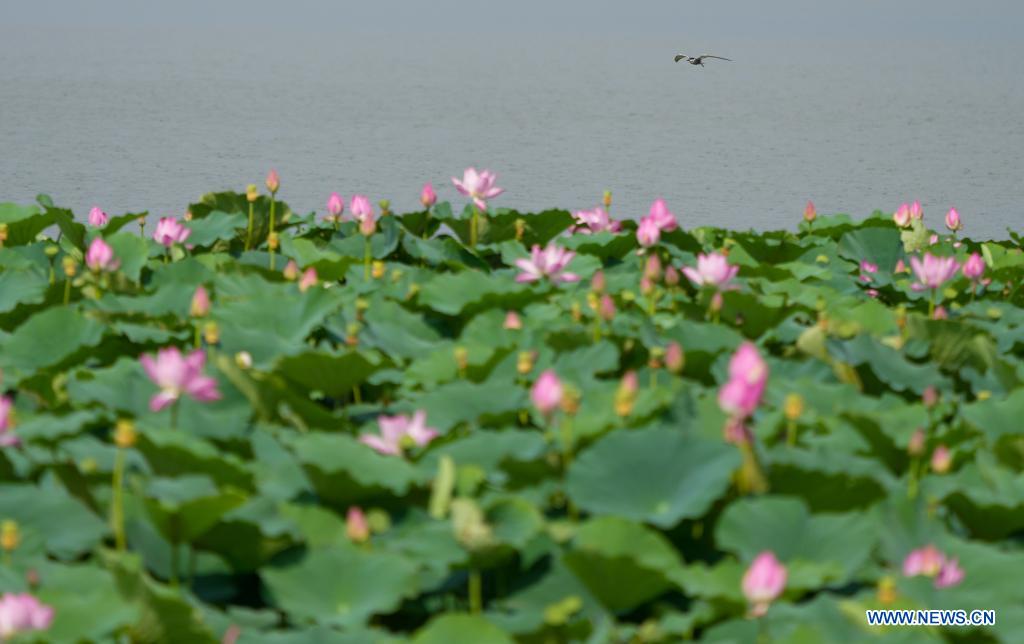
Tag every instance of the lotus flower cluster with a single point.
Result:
(907, 213)
(933, 271)
(712, 270)
(177, 375)
(595, 221)
(929, 561)
(658, 220)
(170, 231)
(478, 186)
(763, 582)
(100, 257)
(22, 613)
(549, 263)
(400, 432)
(740, 396)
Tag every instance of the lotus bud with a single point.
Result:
(940, 313)
(356, 527)
(512, 321)
(974, 267)
(606, 309)
(930, 396)
(598, 282)
(606, 199)
(671, 276)
(520, 229)
(385, 207)
(461, 358)
(124, 433)
(524, 362)
(793, 407)
(10, 536)
(211, 333)
(886, 590)
(377, 269)
(675, 358)
(200, 303)
(309, 280)
(953, 220)
(652, 268)
(625, 395)
(915, 211)
(810, 214)
(593, 301)
(546, 393)
(902, 216)
(915, 447)
(51, 250)
(3, 233)
(368, 225)
(352, 334)
(243, 360)
(763, 582)
(717, 301)
(570, 402)
(97, 217)
(654, 358)
(273, 241)
(291, 271)
(273, 181)
(187, 216)
(427, 196)
(942, 459)
(577, 312)
(335, 206)
(646, 286)
(252, 193)
(70, 266)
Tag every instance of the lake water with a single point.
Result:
(149, 120)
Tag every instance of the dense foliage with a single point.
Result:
(612, 501)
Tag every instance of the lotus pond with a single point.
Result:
(472, 424)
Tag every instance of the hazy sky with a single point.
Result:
(868, 19)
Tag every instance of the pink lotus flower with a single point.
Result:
(662, 217)
(335, 206)
(7, 436)
(712, 270)
(309, 280)
(427, 196)
(950, 574)
(674, 357)
(953, 220)
(362, 211)
(648, 233)
(974, 267)
(170, 231)
(900, 267)
(22, 612)
(546, 393)
(747, 364)
(595, 221)
(200, 307)
(933, 271)
(97, 217)
(810, 214)
(398, 432)
(942, 459)
(100, 257)
(549, 263)
(763, 582)
(902, 216)
(671, 276)
(940, 313)
(479, 186)
(356, 527)
(176, 374)
(606, 308)
(273, 181)
(512, 321)
(925, 561)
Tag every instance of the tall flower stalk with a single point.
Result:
(251, 194)
(273, 183)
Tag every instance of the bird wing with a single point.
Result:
(680, 57)
(718, 57)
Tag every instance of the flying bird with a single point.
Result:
(698, 60)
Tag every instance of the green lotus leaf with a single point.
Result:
(658, 476)
(184, 508)
(47, 339)
(69, 529)
(460, 628)
(342, 467)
